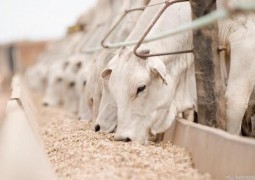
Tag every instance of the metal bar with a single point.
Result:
(117, 23)
(126, 12)
(144, 56)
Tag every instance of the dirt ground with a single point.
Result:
(77, 152)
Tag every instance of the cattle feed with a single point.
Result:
(77, 152)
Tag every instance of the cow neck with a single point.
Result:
(181, 69)
(144, 21)
(105, 11)
(180, 14)
(127, 24)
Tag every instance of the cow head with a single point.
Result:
(55, 86)
(71, 96)
(104, 110)
(142, 90)
(83, 88)
(107, 117)
(36, 76)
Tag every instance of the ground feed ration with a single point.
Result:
(77, 152)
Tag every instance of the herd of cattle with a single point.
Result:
(133, 97)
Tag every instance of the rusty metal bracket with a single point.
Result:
(76, 28)
(126, 12)
(144, 56)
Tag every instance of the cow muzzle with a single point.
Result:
(122, 138)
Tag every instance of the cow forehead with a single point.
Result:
(127, 75)
(129, 66)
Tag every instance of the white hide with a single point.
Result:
(36, 76)
(71, 95)
(82, 89)
(107, 115)
(105, 112)
(91, 39)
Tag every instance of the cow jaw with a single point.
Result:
(132, 126)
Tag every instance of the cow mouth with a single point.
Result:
(109, 129)
(114, 130)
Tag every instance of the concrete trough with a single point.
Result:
(215, 151)
(22, 155)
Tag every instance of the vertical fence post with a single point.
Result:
(248, 123)
(211, 101)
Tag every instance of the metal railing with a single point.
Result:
(219, 14)
(123, 15)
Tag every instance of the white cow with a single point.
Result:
(55, 87)
(54, 95)
(37, 75)
(104, 111)
(107, 117)
(83, 77)
(42, 75)
(71, 96)
(150, 93)
(92, 90)
(102, 18)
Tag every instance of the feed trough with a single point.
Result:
(74, 151)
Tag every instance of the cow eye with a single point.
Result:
(59, 79)
(84, 83)
(71, 84)
(79, 64)
(140, 89)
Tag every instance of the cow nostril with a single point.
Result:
(97, 128)
(45, 104)
(71, 84)
(127, 140)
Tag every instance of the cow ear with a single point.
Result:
(158, 68)
(106, 73)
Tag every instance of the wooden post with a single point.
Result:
(211, 101)
(248, 123)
